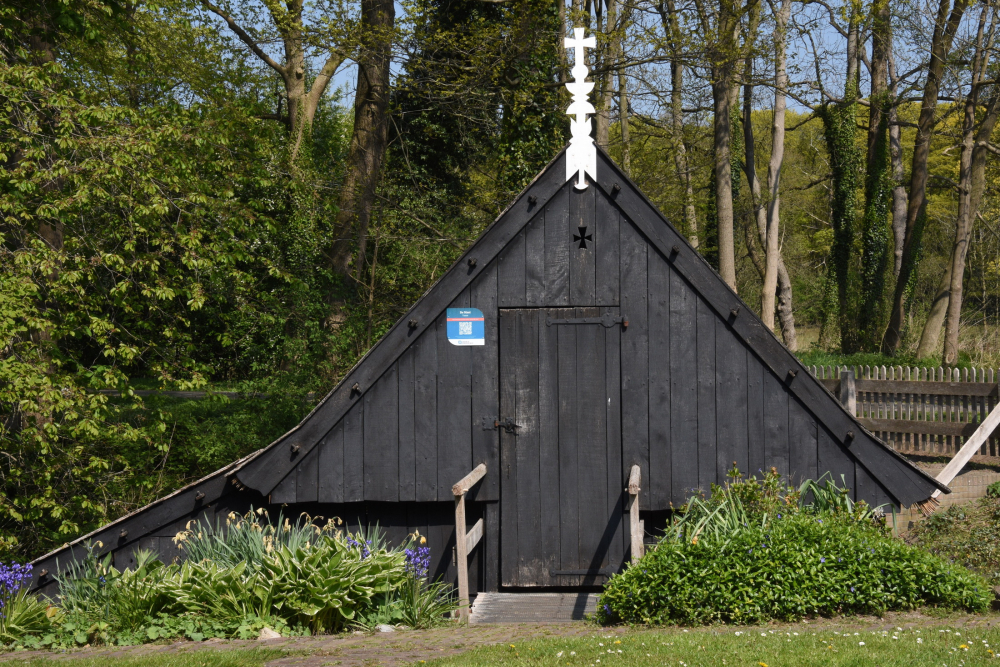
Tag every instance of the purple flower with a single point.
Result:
(822, 560)
(852, 589)
(418, 561)
(607, 609)
(12, 578)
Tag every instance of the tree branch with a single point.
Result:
(244, 37)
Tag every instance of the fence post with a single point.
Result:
(848, 392)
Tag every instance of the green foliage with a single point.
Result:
(296, 578)
(966, 535)
(756, 551)
(23, 615)
(876, 242)
(840, 131)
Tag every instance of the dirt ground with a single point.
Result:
(410, 646)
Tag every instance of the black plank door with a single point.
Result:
(562, 488)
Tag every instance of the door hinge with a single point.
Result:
(496, 423)
(607, 321)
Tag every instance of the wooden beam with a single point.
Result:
(473, 536)
(849, 391)
(462, 559)
(969, 449)
(636, 528)
(955, 429)
(467, 482)
(634, 481)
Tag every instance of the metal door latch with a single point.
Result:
(495, 424)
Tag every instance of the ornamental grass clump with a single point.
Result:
(20, 612)
(782, 555)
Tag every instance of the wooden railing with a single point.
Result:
(637, 528)
(917, 410)
(465, 540)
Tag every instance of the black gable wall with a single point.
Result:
(695, 399)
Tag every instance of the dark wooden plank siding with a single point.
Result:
(592, 481)
(381, 439)
(407, 445)
(755, 415)
(656, 483)
(534, 262)
(606, 248)
(454, 420)
(634, 350)
(307, 474)
(731, 402)
(775, 424)
(569, 512)
(508, 453)
(286, 489)
(616, 476)
(707, 435)
(331, 466)
(485, 387)
(529, 538)
(582, 260)
(548, 429)
(683, 388)
(510, 274)
(557, 247)
(834, 458)
(354, 453)
(425, 415)
(802, 443)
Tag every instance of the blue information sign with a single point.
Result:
(466, 326)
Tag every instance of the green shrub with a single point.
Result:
(292, 577)
(967, 535)
(802, 565)
(993, 490)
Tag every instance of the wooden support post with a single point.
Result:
(636, 528)
(968, 450)
(465, 540)
(848, 391)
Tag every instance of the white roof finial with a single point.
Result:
(581, 156)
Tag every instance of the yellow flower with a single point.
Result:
(618, 641)
(694, 540)
(423, 540)
(762, 664)
(964, 646)
(512, 646)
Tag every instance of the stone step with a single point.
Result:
(532, 607)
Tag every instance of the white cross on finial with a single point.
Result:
(581, 156)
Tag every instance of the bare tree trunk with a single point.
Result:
(561, 4)
(971, 182)
(623, 97)
(722, 88)
(605, 97)
(368, 141)
(930, 336)
(772, 248)
(668, 16)
(899, 196)
(945, 27)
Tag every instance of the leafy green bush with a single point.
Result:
(967, 535)
(755, 551)
(296, 578)
(993, 490)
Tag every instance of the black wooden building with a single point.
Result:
(608, 342)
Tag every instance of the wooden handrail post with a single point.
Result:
(465, 540)
(848, 391)
(636, 527)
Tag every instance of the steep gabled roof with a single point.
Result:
(263, 470)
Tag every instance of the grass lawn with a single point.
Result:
(798, 646)
(255, 657)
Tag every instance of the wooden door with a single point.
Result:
(562, 489)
